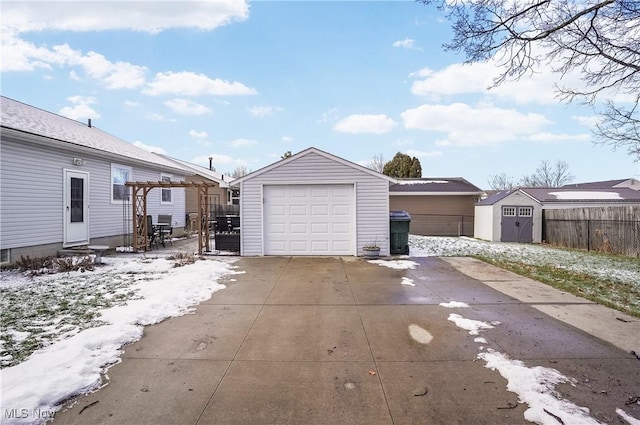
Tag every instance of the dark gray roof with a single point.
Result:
(450, 185)
(556, 195)
(569, 195)
(31, 120)
(607, 184)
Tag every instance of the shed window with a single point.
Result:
(120, 174)
(508, 211)
(166, 191)
(525, 212)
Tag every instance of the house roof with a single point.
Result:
(434, 186)
(306, 152)
(569, 195)
(202, 171)
(34, 124)
(607, 184)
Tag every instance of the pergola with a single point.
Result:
(139, 209)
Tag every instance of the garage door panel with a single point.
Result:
(309, 220)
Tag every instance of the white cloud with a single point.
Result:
(407, 43)
(588, 121)
(287, 139)
(371, 124)
(263, 111)
(423, 154)
(198, 134)
(131, 104)
(186, 107)
(141, 15)
(550, 137)
(238, 143)
(156, 117)
(193, 84)
(155, 149)
(468, 126)
(329, 116)
(80, 109)
(19, 55)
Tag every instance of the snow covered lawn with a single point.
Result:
(59, 332)
(608, 279)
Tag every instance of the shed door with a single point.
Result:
(309, 219)
(517, 224)
(76, 208)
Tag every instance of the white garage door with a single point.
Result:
(309, 220)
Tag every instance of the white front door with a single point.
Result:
(76, 208)
(309, 219)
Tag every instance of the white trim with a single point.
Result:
(86, 207)
(123, 167)
(162, 177)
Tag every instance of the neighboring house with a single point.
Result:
(62, 183)
(313, 203)
(516, 215)
(608, 184)
(221, 195)
(438, 206)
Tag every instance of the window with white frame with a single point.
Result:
(166, 191)
(120, 174)
(525, 212)
(508, 211)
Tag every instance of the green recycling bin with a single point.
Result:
(399, 223)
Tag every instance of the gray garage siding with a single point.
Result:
(372, 198)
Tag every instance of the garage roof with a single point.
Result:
(305, 152)
(566, 195)
(434, 186)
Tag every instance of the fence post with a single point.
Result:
(588, 235)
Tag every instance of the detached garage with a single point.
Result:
(313, 203)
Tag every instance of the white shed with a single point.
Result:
(313, 203)
(517, 215)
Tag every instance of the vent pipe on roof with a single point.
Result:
(210, 163)
(89, 123)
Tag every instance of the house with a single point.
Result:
(313, 203)
(608, 184)
(438, 206)
(516, 215)
(62, 183)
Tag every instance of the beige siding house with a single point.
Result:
(438, 206)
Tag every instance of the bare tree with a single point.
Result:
(377, 163)
(240, 171)
(600, 39)
(548, 175)
(501, 182)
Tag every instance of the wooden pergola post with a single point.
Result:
(139, 230)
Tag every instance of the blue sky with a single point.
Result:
(245, 82)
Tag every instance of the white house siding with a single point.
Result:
(32, 194)
(483, 225)
(372, 199)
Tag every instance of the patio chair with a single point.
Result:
(152, 233)
(166, 231)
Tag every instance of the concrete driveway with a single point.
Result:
(327, 341)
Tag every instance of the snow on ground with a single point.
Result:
(123, 297)
(622, 269)
(535, 386)
(396, 264)
(454, 304)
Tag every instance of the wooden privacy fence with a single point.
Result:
(441, 225)
(606, 229)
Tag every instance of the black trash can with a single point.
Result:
(399, 223)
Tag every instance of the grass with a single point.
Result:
(621, 296)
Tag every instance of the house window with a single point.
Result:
(166, 192)
(119, 176)
(525, 212)
(4, 256)
(508, 211)
(234, 197)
